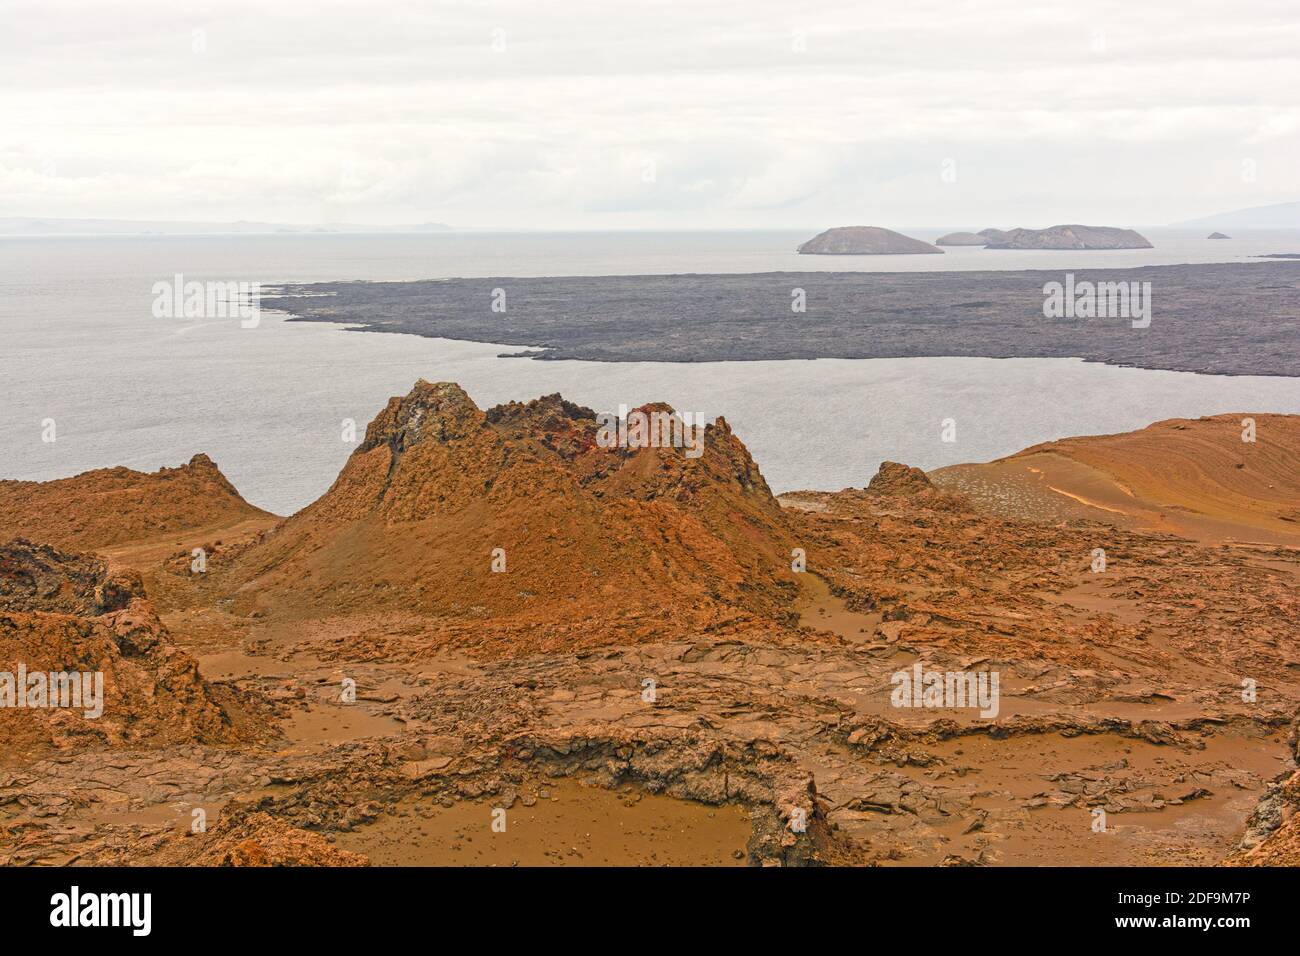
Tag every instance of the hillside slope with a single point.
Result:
(1193, 477)
(111, 507)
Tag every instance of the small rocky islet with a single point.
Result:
(877, 241)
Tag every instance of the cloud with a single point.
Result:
(512, 113)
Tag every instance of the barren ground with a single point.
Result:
(1121, 692)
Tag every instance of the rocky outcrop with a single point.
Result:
(1065, 237)
(61, 614)
(864, 241)
(36, 577)
(115, 506)
(896, 479)
(258, 839)
(1272, 835)
(961, 239)
(519, 516)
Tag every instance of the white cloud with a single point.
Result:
(754, 113)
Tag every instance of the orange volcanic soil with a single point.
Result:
(1192, 477)
(490, 609)
(116, 506)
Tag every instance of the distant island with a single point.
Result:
(1217, 235)
(864, 241)
(875, 241)
(1065, 237)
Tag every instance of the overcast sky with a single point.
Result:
(666, 114)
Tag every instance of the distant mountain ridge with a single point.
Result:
(46, 226)
(1283, 215)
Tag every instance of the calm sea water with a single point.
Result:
(79, 345)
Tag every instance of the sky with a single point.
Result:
(674, 114)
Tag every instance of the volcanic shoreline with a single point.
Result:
(1232, 319)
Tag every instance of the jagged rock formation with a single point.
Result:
(114, 506)
(893, 478)
(1065, 237)
(864, 241)
(961, 239)
(595, 542)
(63, 613)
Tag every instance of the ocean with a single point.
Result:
(80, 346)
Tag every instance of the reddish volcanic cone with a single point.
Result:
(589, 544)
